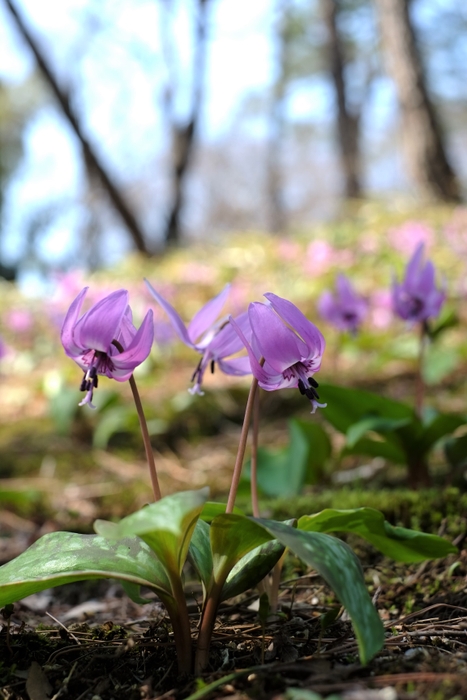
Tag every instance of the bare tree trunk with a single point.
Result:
(348, 122)
(89, 155)
(183, 135)
(422, 137)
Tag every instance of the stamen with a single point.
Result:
(197, 371)
(213, 365)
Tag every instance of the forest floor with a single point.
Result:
(88, 641)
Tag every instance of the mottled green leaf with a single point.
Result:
(398, 543)
(166, 526)
(339, 566)
(64, 557)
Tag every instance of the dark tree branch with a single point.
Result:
(183, 134)
(90, 156)
(348, 122)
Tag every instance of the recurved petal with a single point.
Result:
(67, 336)
(279, 345)
(257, 370)
(139, 348)
(299, 322)
(174, 318)
(237, 366)
(101, 324)
(227, 341)
(206, 317)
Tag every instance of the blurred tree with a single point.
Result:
(182, 130)
(423, 140)
(324, 38)
(338, 47)
(17, 104)
(90, 156)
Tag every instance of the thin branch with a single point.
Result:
(89, 155)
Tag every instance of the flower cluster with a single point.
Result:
(284, 349)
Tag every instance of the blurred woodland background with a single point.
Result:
(139, 124)
(267, 144)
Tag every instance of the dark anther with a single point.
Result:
(313, 382)
(213, 365)
(83, 383)
(94, 381)
(92, 372)
(308, 391)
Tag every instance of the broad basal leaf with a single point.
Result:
(166, 526)
(232, 537)
(252, 568)
(64, 557)
(398, 543)
(339, 566)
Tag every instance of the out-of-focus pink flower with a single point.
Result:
(289, 250)
(345, 309)
(410, 234)
(320, 256)
(19, 320)
(381, 309)
(417, 298)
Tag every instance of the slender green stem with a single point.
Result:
(419, 381)
(242, 447)
(146, 440)
(254, 458)
(144, 431)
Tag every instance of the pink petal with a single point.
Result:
(139, 348)
(68, 341)
(206, 317)
(101, 324)
(280, 346)
(175, 319)
(299, 322)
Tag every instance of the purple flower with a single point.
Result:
(417, 299)
(346, 309)
(286, 348)
(214, 339)
(95, 340)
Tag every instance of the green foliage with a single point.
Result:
(377, 426)
(398, 543)
(303, 461)
(231, 554)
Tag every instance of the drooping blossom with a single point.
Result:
(213, 338)
(346, 310)
(417, 298)
(104, 340)
(286, 348)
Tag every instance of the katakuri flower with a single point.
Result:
(286, 348)
(417, 298)
(214, 339)
(105, 341)
(345, 310)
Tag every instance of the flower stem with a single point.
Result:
(146, 440)
(242, 446)
(420, 382)
(254, 458)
